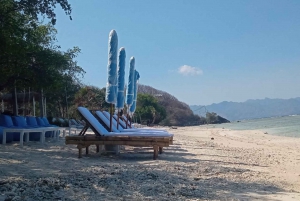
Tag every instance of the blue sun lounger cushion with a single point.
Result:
(19, 122)
(41, 123)
(45, 120)
(31, 121)
(10, 135)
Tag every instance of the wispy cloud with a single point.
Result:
(189, 70)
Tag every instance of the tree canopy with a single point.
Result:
(29, 53)
(149, 109)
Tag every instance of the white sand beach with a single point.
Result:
(203, 164)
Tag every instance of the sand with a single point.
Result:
(203, 164)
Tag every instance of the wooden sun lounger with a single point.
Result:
(84, 141)
(88, 140)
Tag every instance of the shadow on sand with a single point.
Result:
(172, 177)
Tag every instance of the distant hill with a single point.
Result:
(178, 113)
(252, 109)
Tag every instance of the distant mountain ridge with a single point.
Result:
(251, 109)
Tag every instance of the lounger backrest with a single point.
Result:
(31, 121)
(94, 123)
(120, 120)
(79, 122)
(73, 122)
(106, 121)
(115, 123)
(45, 121)
(125, 118)
(106, 114)
(19, 121)
(6, 121)
(40, 122)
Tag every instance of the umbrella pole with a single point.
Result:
(118, 119)
(130, 121)
(127, 120)
(111, 115)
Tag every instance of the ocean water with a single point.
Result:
(283, 126)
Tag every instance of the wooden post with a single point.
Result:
(97, 148)
(67, 103)
(79, 151)
(29, 111)
(41, 102)
(155, 153)
(127, 120)
(45, 108)
(33, 103)
(87, 150)
(15, 101)
(111, 116)
(160, 150)
(130, 121)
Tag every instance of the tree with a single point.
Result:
(34, 8)
(24, 40)
(29, 56)
(211, 117)
(149, 109)
(90, 97)
(177, 113)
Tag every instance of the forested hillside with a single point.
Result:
(178, 113)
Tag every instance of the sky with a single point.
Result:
(201, 52)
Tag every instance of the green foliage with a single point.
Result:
(90, 97)
(211, 117)
(149, 109)
(34, 8)
(27, 50)
(29, 56)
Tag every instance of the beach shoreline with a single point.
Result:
(203, 164)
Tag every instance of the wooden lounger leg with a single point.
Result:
(155, 153)
(97, 148)
(160, 150)
(87, 150)
(79, 151)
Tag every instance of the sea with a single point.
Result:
(283, 126)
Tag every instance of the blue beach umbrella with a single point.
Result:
(130, 88)
(133, 106)
(111, 86)
(121, 81)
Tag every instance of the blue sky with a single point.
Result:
(201, 52)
